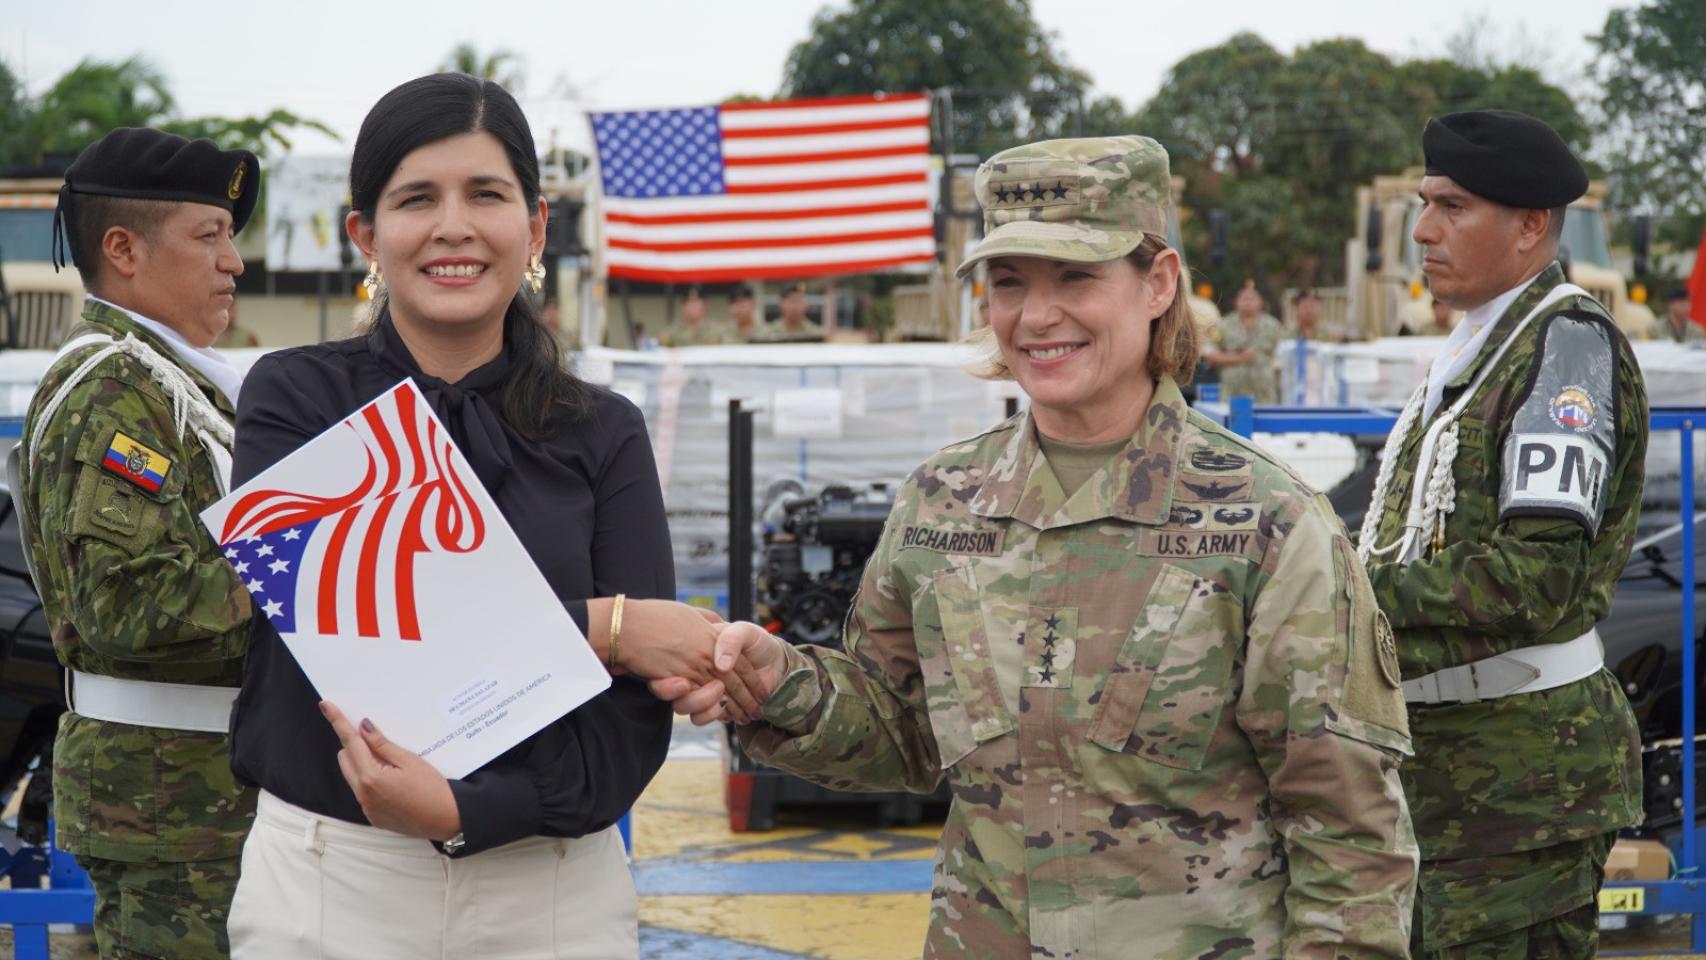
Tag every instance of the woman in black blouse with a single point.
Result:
(445, 190)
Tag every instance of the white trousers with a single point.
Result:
(314, 888)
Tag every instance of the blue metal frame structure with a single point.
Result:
(1687, 892)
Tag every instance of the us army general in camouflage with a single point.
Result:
(118, 463)
(1160, 689)
(1202, 758)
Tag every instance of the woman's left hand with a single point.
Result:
(397, 790)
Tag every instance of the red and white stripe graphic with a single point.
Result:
(412, 499)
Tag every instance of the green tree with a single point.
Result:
(87, 101)
(1652, 74)
(1009, 82)
(257, 133)
(501, 66)
(1215, 109)
(96, 96)
(1280, 143)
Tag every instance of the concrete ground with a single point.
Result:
(809, 890)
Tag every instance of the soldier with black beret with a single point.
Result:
(1503, 514)
(127, 440)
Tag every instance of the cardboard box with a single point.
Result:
(1638, 860)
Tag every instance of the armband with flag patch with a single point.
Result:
(1562, 444)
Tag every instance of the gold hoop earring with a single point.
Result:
(536, 275)
(373, 282)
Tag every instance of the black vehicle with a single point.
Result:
(1643, 647)
(31, 687)
(813, 556)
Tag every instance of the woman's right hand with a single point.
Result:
(750, 663)
(663, 638)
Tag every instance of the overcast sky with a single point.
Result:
(332, 60)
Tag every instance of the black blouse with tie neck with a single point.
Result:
(586, 504)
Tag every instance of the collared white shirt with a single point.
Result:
(1464, 343)
(206, 360)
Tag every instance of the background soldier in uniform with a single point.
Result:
(792, 326)
(1678, 326)
(692, 330)
(1503, 514)
(1140, 650)
(126, 441)
(1245, 341)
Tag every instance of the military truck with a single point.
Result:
(1384, 265)
(37, 305)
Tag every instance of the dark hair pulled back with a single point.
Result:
(437, 107)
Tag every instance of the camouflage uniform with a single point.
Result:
(1258, 378)
(681, 334)
(774, 332)
(1202, 759)
(1515, 799)
(133, 587)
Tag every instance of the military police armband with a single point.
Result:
(1562, 443)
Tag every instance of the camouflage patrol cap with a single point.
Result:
(1084, 201)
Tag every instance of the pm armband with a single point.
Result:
(1562, 444)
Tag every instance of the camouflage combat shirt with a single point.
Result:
(682, 334)
(1258, 378)
(1203, 759)
(134, 587)
(1533, 770)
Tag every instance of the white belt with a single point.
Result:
(1526, 670)
(143, 703)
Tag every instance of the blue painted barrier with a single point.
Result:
(1687, 892)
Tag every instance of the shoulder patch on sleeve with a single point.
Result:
(1563, 437)
(1371, 707)
(137, 462)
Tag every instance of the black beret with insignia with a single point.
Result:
(141, 163)
(1505, 156)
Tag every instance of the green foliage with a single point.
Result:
(1652, 74)
(1009, 83)
(502, 66)
(1282, 142)
(259, 134)
(96, 96)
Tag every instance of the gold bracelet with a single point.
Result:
(615, 629)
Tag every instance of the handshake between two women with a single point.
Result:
(707, 668)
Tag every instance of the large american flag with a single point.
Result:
(755, 190)
(412, 499)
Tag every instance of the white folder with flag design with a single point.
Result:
(404, 594)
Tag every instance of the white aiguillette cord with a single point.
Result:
(190, 408)
(1433, 499)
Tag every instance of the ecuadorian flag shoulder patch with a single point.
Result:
(141, 465)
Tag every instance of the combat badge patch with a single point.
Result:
(1210, 461)
(141, 465)
(971, 543)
